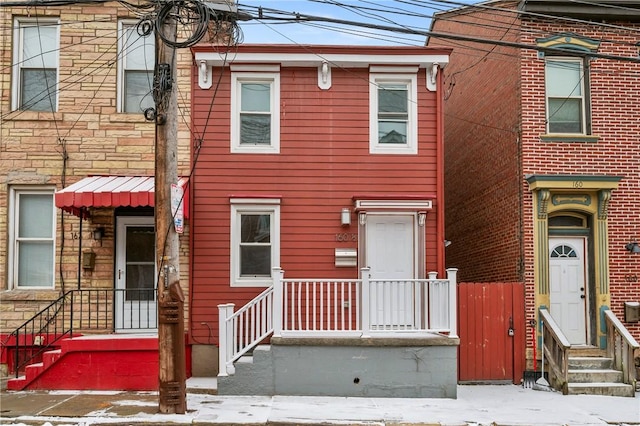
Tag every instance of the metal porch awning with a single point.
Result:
(111, 192)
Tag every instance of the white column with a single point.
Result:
(225, 337)
(453, 301)
(278, 275)
(365, 305)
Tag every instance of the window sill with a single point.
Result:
(36, 294)
(266, 282)
(22, 115)
(569, 138)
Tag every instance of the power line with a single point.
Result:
(427, 33)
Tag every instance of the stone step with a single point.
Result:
(607, 389)
(590, 362)
(594, 376)
(586, 351)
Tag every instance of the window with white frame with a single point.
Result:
(32, 238)
(255, 241)
(565, 83)
(393, 114)
(255, 112)
(135, 69)
(35, 69)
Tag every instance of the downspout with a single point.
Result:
(440, 176)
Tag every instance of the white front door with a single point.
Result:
(567, 284)
(136, 307)
(391, 252)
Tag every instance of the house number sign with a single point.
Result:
(346, 236)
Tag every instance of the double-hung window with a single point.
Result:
(255, 112)
(135, 70)
(255, 240)
(393, 114)
(32, 238)
(567, 107)
(35, 69)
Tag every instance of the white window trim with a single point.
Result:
(120, 98)
(583, 97)
(18, 42)
(13, 226)
(411, 147)
(238, 78)
(241, 206)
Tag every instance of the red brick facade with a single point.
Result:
(495, 139)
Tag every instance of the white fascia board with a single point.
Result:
(313, 60)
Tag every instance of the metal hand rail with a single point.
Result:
(76, 311)
(41, 331)
(620, 347)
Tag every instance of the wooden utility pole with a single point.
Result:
(171, 350)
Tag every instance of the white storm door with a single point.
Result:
(567, 284)
(391, 252)
(136, 307)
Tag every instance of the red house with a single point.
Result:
(317, 199)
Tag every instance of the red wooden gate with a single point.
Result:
(489, 351)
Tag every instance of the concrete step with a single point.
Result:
(594, 376)
(251, 371)
(589, 363)
(586, 351)
(607, 389)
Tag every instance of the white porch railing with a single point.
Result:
(338, 308)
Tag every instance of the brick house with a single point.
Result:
(76, 177)
(542, 158)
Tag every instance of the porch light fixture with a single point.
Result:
(633, 247)
(98, 233)
(345, 217)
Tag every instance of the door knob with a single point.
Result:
(582, 296)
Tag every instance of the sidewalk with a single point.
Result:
(475, 405)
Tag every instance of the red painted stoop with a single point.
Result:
(113, 362)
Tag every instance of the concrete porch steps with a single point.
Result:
(100, 362)
(606, 389)
(591, 372)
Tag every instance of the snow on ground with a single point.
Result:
(475, 405)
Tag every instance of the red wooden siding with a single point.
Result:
(485, 313)
(323, 163)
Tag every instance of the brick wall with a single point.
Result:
(495, 112)
(482, 176)
(615, 104)
(86, 136)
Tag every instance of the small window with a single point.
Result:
(135, 71)
(393, 116)
(32, 235)
(563, 251)
(566, 221)
(255, 116)
(35, 70)
(565, 82)
(255, 241)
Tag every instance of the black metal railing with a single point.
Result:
(78, 312)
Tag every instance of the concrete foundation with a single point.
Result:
(374, 367)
